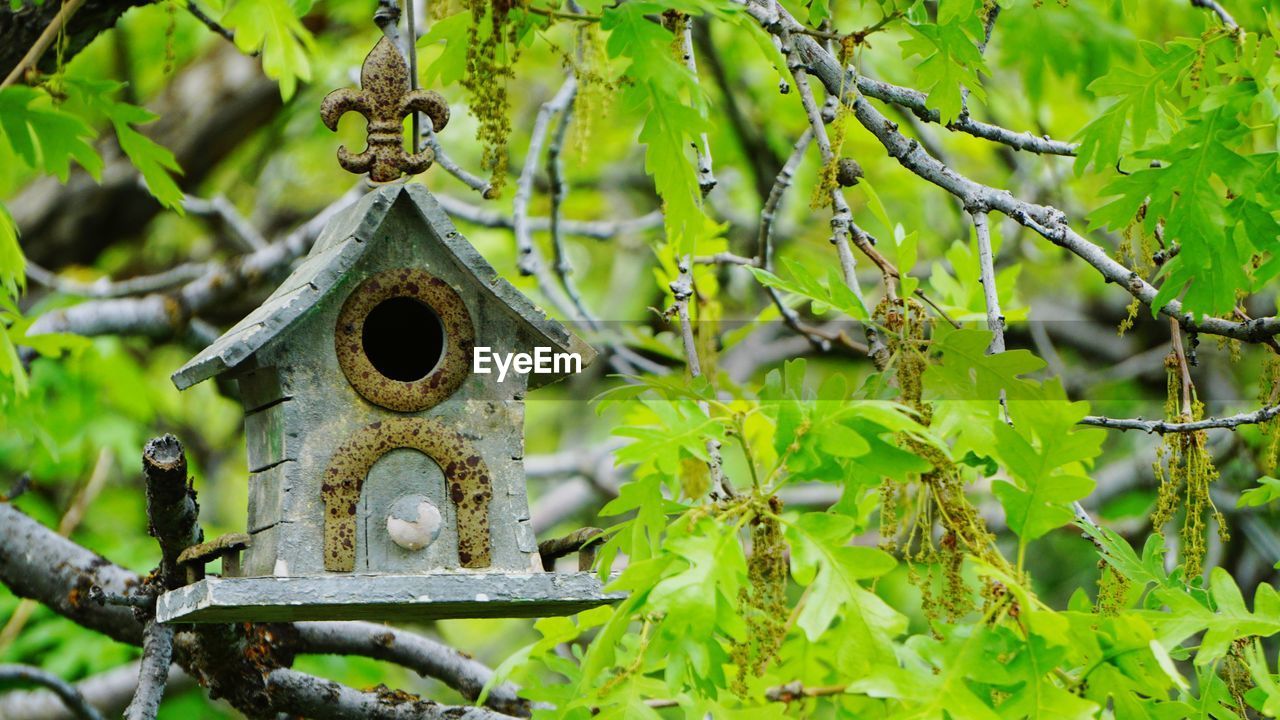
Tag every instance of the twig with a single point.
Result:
(1218, 10)
(781, 183)
(987, 276)
(475, 182)
(787, 693)
(162, 315)
(1048, 221)
(153, 671)
(842, 224)
(423, 655)
(219, 208)
(1161, 427)
(530, 260)
(555, 177)
(214, 25)
(296, 693)
(702, 150)
(682, 292)
(43, 42)
(1184, 370)
(109, 692)
(594, 229)
(108, 288)
(69, 695)
(917, 103)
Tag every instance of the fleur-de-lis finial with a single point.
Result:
(385, 100)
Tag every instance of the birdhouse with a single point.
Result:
(385, 470)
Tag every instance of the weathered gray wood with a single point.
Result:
(274, 435)
(260, 387)
(379, 597)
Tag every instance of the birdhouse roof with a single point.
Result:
(344, 240)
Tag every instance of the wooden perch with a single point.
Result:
(228, 547)
(582, 541)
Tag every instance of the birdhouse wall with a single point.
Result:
(300, 409)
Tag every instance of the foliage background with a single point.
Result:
(1134, 81)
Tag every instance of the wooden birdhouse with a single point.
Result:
(385, 475)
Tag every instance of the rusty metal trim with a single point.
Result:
(384, 99)
(466, 475)
(459, 340)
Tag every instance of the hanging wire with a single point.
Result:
(412, 47)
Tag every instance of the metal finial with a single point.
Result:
(384, 98)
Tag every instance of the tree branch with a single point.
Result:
(1161, 427)
(172, 512)
(163, 315)
(916, 102)
(67, 693)
(1049, 222)
(595, 229)
(1217, 9)
(153, 672)
(294, 693)
(987, 276)
(423, 655)
(108, 692)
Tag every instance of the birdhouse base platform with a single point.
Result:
(383, 597)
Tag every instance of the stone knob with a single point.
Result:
(413, 522)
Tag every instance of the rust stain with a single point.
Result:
(443, 380)
(465, 472)
(385, 100)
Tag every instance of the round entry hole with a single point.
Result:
(403, 338)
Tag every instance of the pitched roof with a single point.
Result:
(340, 245)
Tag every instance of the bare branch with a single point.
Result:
(427, 657)
(296, 693)
(555, 177)
(475, 182)
(530, 260)
(66, 692)
(153, 672)
(842, 225)
(1160, 427)
(213, 25)
(915, 101)
(107, 288)
(109, 692)
(42, 42)
(702, 150)
(219, 208)
(987, 276)
(682, 291)
(595, 229)
(162, 315)
(1048, 221)
(1217, 9)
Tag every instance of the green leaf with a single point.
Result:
(154, 161)
(13, 265)
(951, 61)
(273, 28)
(44, 136)
(1267, 492)
(822, 559)
(799, 281)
